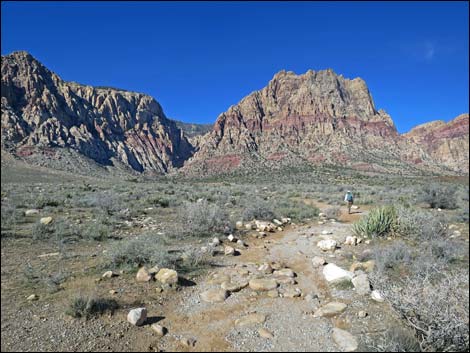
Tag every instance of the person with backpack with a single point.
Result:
(349, 199)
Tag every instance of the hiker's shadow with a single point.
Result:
(184, 282)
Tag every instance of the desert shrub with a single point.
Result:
(41, 231)
(439, 196)
(204, 219)
(86, 306)
(332, 212)
(97, 231)
(159, 201)
(145, 250)
(297, 210)
(420, 224)
(395, 339)
(10, 216)
(392, 257)
(379, 222)
(434, 303)
(192, 260)
(258, 209)
(42, 201)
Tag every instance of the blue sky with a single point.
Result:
(197, 59)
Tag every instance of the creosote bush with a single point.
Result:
(202, 219)
(439, 196)
(86, 306)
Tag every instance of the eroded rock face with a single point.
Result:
(39, 109)
(316, 118)
(446, 143)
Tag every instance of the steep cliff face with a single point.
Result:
(446, 143)
(104, 124)
(314, 118)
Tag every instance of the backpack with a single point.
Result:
(349, 197)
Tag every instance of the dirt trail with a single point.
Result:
(290, 320)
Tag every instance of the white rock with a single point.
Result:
(46, 220)
(216, 241)
(31, 212)
(334, 273)
(137, 316)
(318, 261)
(239, 225)
(167, 276)
(345, 341)
(361, 284)
(278, 222)
(229, 251)
(377, 296)
(158, 329)
(326, 232)
(108, 274)
(327, 244)
(32, 297)
(232, 238)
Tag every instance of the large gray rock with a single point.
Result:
(335, 274)
(327, 244)
(263, 284)
(251, 319)
(214, 295)
(137, 316)
(344, 340)
(330, 309)
(361, 284)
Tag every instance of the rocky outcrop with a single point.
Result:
(318, 118)
(446, 143)
(107, 125)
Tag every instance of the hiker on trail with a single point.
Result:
(349, 199)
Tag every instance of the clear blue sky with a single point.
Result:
(197, 59)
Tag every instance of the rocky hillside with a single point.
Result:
(41, 112)
(446, 143)
(318, 118)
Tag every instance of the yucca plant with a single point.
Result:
(378, 223)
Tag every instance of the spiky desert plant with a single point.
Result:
(379, 222)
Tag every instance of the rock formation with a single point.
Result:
(108, 125)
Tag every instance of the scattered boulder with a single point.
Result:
(188, 342)
(362, 314)
(215, 241)
(214, 295)
(239, 225)
(318, 261)
(241, 243)
(232, 238)
(46, 220)
(137, 316)
(143, 275)
(285, 272)
(277, 222)
(292, 293)
(327, 244)
(266, 269)
(263, 284)
(344, 340)
(351, 240)
(361, 284)
(234, 287)
(31, 212)
(154, 270)
(334, 274)
(377, 296)
(250, 226)
(228, 250)
(285, 220)
(354, 207)
(159, 330)
(263, 333)
(250, 319)
(167, 276)
(109, 274)
(219, 278)
(32, 297)
(273, 293)
(326, 232)
(330, 309)
(285, 280)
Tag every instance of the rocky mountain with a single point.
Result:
(318, 118)
(446, 143)
(41, 113)
(315, 119)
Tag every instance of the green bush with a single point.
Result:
(145, 250)
(438, 196)
(298, 211)
(202, 219)
(258, 209)
(84, 306)
(379, 222)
